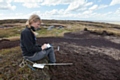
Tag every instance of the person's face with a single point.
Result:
(36, 25)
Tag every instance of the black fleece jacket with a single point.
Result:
(28, 43)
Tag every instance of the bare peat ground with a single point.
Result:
(94, 57)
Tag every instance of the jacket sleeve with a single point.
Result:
(27, 41)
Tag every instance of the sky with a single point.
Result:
(95, 10)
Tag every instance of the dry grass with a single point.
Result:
(10, 70)
(72, 26)
(53, 32)
(9, 32)
(115, 23)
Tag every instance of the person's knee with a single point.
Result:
(51, 49)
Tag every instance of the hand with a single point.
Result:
(44, 46)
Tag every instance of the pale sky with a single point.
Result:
(61, 9)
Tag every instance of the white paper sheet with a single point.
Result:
(38, 65)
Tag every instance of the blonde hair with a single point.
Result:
(32, 18)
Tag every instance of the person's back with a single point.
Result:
(28, 43)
